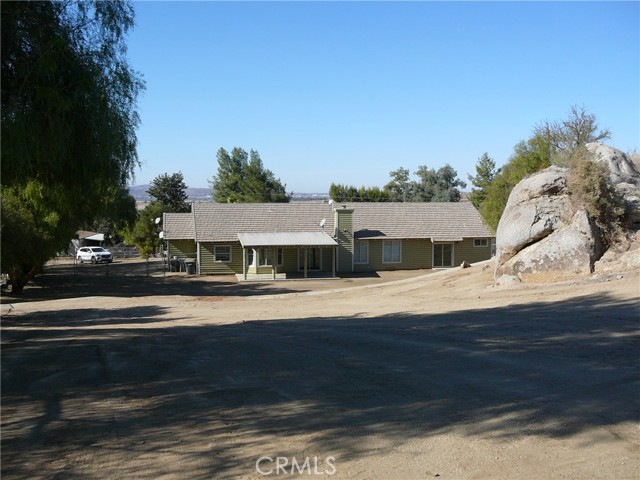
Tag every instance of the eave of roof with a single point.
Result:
(286, 239)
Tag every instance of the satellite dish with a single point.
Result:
(158, 220)
(330, 201)
(322, 222)
(161, 234)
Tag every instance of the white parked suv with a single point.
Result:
(94, 255)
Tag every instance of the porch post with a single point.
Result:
(333, 262)
(198, 257)
(306, 262)
(244, 262)
(274, 261)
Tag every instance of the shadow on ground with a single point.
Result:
(214, 398)
(131, 279)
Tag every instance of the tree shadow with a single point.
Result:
(214, 398)
(129, 280)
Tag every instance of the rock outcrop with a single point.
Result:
(569, 251)
(622, 257)
(624, 175)
(537, 206)
(542, 236)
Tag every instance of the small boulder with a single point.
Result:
(624, 256)
(505, 280)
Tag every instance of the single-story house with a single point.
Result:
(302, 238)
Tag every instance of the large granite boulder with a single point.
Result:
(537, 206)
(569, 251)
(543, 236)
(624, 175)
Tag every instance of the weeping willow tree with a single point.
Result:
(68, 124)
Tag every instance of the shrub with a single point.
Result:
(589, 186)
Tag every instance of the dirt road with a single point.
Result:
(409, 376)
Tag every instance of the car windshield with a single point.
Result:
(98, 249)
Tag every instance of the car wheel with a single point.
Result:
(80, 260)
(93, 259)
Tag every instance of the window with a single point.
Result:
(222, 253)
(391, 251)
(361, 251)
(480, 242)
(266, 256)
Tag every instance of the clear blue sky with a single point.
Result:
(346, 92)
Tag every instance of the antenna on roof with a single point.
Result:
(322, 222)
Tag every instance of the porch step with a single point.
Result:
(261, 277)
(265, 277)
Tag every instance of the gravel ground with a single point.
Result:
(116, 374)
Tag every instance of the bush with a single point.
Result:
(589, 186)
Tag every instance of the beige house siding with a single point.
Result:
(465, 251)
(208, 266)
(182, 249)
(328, 256)
(344, 237)
(414, 254)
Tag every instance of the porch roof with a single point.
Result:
(286, 239)
(446, 239)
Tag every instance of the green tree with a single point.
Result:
(227, 184)
(171, 191)
(120, 214)
(484, 177)
(145, 232)
(242, 178)
(399, 188)
(349, 193)
(565, 137)
(528, 157)
(437, 185)
(372, 194)
(68, 123)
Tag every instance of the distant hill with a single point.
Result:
(139, 192)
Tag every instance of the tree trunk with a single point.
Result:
(19, 278)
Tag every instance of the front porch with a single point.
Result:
(263, 253)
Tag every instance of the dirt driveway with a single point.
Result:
(409, 376)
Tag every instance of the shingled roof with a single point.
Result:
(178, 226)
(222, 222)
(439, 221)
